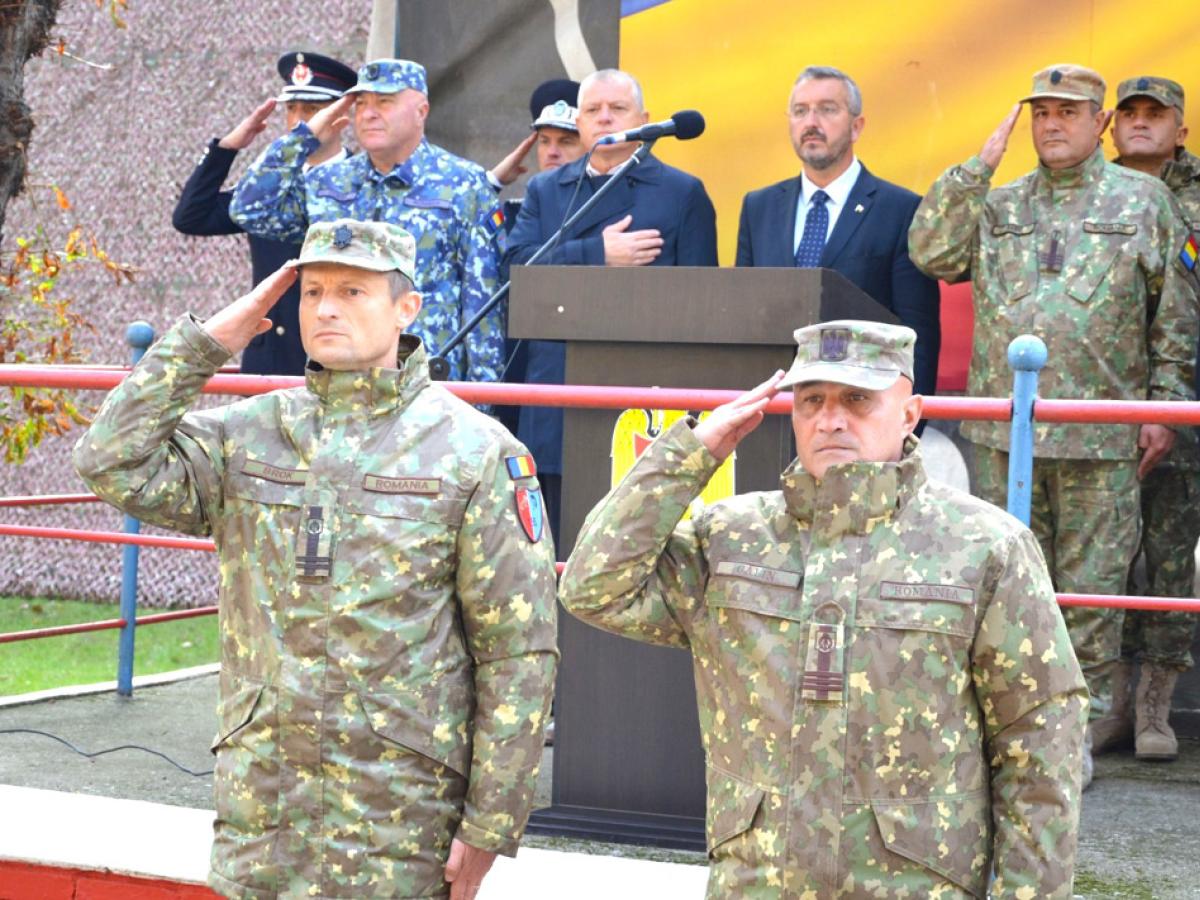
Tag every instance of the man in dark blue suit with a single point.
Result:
(311, 82)
(837, 215)
(657, 215)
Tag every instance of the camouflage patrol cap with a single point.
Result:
(1067, 82)
(1164, 90)
(390, 76)
(869, 355)
(377, 246)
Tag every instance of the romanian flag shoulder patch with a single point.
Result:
(495, 221)
(520, 466)
(1189, 253)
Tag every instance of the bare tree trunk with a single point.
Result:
(24, 32)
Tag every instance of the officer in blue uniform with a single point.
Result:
(311, 82)
(444, 201)
(555, 137)
(553, 134)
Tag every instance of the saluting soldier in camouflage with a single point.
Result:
(444, 201)
(1148, 132)
(888, 698)
(1085, 255)
(387, 593)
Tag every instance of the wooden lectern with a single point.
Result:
(628, 764)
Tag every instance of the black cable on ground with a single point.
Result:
(68, 744)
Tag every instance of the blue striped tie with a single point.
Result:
(812, 241)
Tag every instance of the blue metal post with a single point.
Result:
(1027, 356)
(139, 336)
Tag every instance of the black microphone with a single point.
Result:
(683, 125)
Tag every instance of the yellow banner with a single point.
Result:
(936, 78)
(636, 429)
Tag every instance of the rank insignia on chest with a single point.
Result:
(520, 466)
(824, 664)
(314, 537)
(531, 512)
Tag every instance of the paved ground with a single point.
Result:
(1140, 834)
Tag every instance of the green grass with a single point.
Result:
(1093, 886)
(44, 663)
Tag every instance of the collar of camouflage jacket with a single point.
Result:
(375, 390)
(1182, 170)
(853, 497)
(1076, 176)
(407, 172)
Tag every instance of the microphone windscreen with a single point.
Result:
(688, 124)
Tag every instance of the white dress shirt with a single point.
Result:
(838, 191)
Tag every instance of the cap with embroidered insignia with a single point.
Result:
(313, 78)
(1164, 90)
(390, 76)
(1067, 82)
(869, 355)
(377, 246)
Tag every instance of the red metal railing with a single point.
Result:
(584, 397)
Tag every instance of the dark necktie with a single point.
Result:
(816, 225)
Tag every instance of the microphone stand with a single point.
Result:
(439, 366)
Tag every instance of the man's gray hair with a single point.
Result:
(853, 94)
(613, 75)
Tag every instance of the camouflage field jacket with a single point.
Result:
(888, 697)
(1086, 258)
(388, 635)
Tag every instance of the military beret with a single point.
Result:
(1164, 90)
(868, 355)
(1067, 82)
(313, 78)
(377, 246)
(390, 76)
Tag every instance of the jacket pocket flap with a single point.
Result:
(409, 720)
(445, 508)
(235, 713)
(950, 836)
(733, 591)
(1098, 252)
(732, 806)
(259, 489)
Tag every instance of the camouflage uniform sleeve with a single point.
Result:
(944, 236)
(1171, 340)
(506, 593)
(142, 453)
(482, 247)
(270, 200)
(1035, 705)
(637, 570)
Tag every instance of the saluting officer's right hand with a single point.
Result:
(332, 120)
(249, 128)
(993, 149)
(238, 323)
(725, 427)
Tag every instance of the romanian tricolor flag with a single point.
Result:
(496, 220)
(1188, 254)
(520, 466)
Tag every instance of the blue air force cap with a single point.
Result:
(313, 78)
(390, 76)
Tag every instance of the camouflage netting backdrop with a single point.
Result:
(120, 142)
